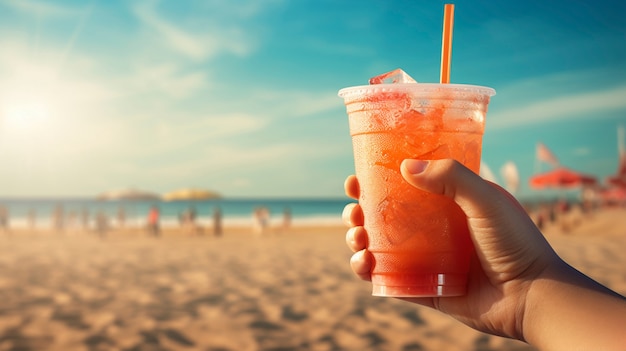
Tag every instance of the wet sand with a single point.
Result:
(285, 291)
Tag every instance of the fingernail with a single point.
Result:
(415, 166)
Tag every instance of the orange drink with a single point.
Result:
(420, 241)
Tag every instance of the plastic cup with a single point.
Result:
(420, 241)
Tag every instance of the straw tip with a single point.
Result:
(446, 47)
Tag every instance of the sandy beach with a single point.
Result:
(287, 291)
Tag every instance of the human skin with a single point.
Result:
(518, 286)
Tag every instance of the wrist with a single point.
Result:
(566, 310)
(535, 312)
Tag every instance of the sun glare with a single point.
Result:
(25, 116)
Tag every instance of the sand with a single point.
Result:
(286, 291)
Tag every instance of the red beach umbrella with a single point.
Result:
(561, 178)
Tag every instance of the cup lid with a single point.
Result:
(413, 87)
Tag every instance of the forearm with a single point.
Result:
(566, 310)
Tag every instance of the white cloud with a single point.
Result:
(236, 168)
(295, 103)
(204, 43)
(175, 37)
(584, 105)
(168, 79)
(182, 131)
(243, 9)
(211, 163)
(40, 8)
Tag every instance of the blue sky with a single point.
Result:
(240, 96)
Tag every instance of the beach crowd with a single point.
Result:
(101, 222)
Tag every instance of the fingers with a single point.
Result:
(356, 238)
(361, 264)
(352, 215)
(351, 186)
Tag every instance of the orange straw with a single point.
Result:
(446, 43)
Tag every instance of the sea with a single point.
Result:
(24, 213)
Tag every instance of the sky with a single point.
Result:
(240, 96)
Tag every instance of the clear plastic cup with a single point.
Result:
(420, 241)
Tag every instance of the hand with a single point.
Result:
(518, 286)
(510, 250)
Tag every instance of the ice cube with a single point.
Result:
(399, 224)
(395, 76)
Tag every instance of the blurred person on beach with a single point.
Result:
(4, 219)
(217, 221)
(31, 218)
(194, 226)
(121, 217)
(58, 219)
(286, 219)
(191, 214)
(72, 221)
(261, 220)
(256, 221)
(519, 287)
(153, 221)
(84, 216)
(187, 221)
(102, 224)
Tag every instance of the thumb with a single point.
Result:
(476, 197)
(507, 241)
(501, 229)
